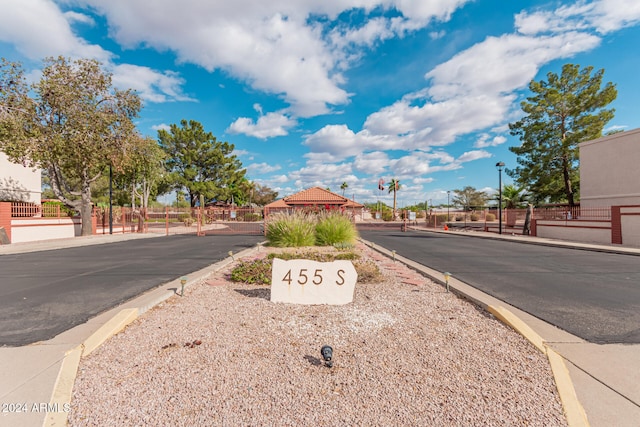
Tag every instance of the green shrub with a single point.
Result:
(459, 217)
(387, 215)
(187, 219)
(251, 217)
(474, 217)
(335, 228)
(255, 272)
(490, 217)
(291, 230)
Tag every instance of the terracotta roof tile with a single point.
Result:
(314, 196)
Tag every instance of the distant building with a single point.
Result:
(610, 170)
(19, 183)
(316, 198)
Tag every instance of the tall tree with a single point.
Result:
(512, 197)
(262, 195)
(563, 111)
(343, 187)
(394, 186)
(470, 198)
(200, 164)
(74, 127)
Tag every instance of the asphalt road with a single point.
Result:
(45, 293)
(593, 295)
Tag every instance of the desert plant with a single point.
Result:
(474, 217)
(368, 271)
(459, 217)
(490, 217)
(335, 228)
(255, 272)
(291, 230)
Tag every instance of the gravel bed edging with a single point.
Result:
(573, 409)
(63, 387)
(228, 261)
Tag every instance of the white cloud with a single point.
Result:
(472, 91)
(38, 28)
(79, 17)
(161, 126)
(484, 140)
(374, 163)
(604, 16)
(318, 174)
(276, 46)
(470, 156)
(151, 85)
(262, 168)
(267, 126)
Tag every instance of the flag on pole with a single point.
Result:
(381, 184)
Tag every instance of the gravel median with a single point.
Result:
(403, 355)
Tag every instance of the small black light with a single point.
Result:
(327, 354)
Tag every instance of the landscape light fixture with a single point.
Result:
(183, 281)
(500, 165)
(446, 279)
(327, 354)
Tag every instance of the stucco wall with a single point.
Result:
(35, 229)
(575, 231)
(19, 183)
(609, 170)
(630, 218)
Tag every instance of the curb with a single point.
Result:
(63, 388)
(573, 410)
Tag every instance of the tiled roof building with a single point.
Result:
(315, 196)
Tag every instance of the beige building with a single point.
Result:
(19, 183)
(610, 170)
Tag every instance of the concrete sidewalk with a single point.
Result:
(606, 378)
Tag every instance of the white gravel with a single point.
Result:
(403, 355)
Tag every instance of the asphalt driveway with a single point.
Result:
(593, 295)
(45, 293)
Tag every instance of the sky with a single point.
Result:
(321, 92)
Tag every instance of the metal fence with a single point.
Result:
(32, 210)
(172, 220)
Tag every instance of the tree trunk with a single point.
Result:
(394, 205)
(567, 181)
(86, 209)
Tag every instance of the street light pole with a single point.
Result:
(500, 165)
(110, 199)
(448, 194)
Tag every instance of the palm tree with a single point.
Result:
(344, 187)
(394, 185)
(512, 196)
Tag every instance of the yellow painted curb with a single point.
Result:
(574, 412)
(512, 320)
(63, 388)
(109, 329)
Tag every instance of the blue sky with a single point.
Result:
(320, 92)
